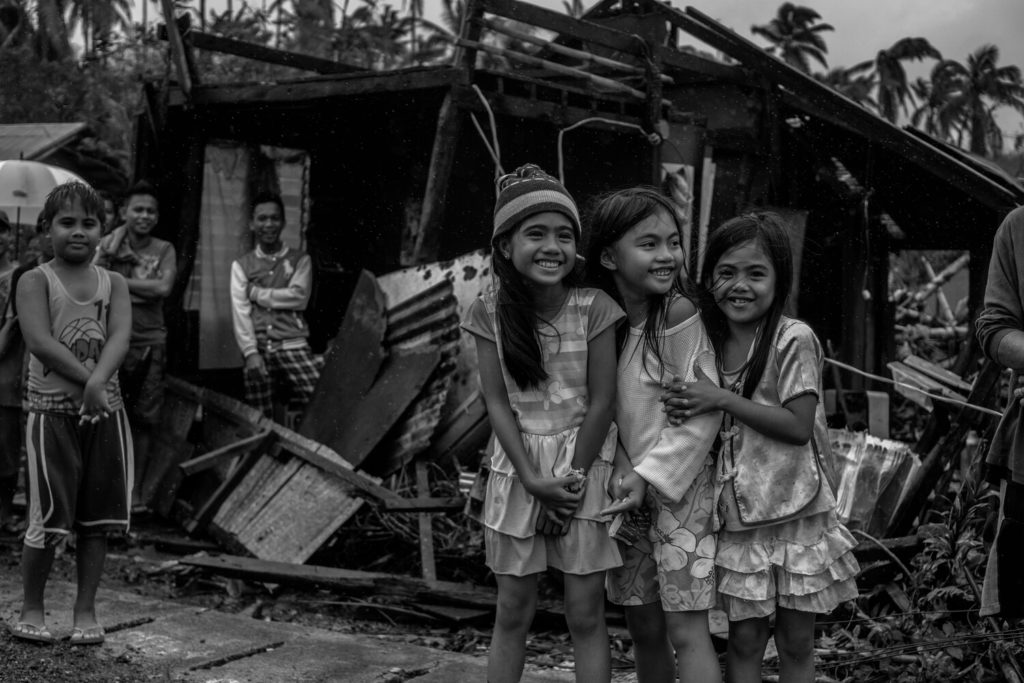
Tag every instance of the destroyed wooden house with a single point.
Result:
(390, 175)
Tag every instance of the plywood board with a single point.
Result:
(351, 363)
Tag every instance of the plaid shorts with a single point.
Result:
(79, 476)
(291, 379)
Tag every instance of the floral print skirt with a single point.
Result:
(675, 563)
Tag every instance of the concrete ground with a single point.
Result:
(203, 645)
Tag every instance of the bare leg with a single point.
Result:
(584, 612)
(695, 655)
(794, 637)
(651, 649)
(517, 602)
(747, 641)
(89, 557)
(35, 570)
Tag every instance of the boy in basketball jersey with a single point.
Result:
(76, 320)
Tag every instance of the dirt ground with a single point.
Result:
(149, 568)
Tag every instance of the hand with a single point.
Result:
(1018, 392)
(254, 366)
(95, 403)
(688, 399)
(552, 494)
(629, 493)
(551, 524)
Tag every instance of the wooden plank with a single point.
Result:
(201, 516)
(306, 512)
(292, 92)
(177, 48)
(399, 383)
(262, 53)
(426, 525)
(351, 363)
(425, 504)
(216, 456)
(329, 461)
(937, 373)
(345, 580)
(426, 239)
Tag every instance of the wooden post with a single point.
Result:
(178, 55)
(426, 526)
(426, 241)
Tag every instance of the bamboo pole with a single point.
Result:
(944, 310)
(947, 272)
(554, 66)
(940, 333)
(570, 52)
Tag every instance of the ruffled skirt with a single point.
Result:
(510, 513)
(806, 564)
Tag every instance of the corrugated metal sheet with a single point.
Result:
(33, 141)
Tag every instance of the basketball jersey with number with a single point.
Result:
(81, 326)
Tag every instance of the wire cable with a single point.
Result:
(935, 397)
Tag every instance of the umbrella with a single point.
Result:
(23, 189)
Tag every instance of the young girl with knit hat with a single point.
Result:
(546, 352)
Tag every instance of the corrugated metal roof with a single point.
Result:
(33, 141)
(803, 92)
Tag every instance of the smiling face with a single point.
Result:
(141, 214)
(542, 249)
(744, 284)
(267, 223)
(646, 260)
(74, 233)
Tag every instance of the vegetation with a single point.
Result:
(92, 59)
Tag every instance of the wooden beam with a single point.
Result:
(346, 580)
(435, 195)
(269, 55)
(177, 48)
(426, 527)
(425, 504)
(322, 87)
(214, 457)
(589, 32)
(522, 107)
(581, 55)
(557, 68)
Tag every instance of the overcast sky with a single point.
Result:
(862, 27)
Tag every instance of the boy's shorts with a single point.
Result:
(675, 563)
(80, 477)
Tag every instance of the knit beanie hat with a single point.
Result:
(527, 191)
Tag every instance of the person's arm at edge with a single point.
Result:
(294, 297)
(1000, 325)
(34, 321)
(241, 312)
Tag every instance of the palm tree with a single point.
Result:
(795, 37)
(97, 19)
(856, 82)
(973, 92)
(893, 87)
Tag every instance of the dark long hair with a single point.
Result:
(519, 326)
(611, 217)
(767, 230)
